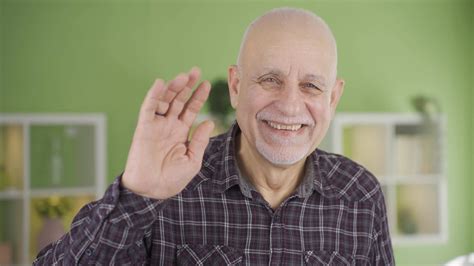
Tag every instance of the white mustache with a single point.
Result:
(281, 119)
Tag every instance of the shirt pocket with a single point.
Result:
(194, 254)
(331, 258)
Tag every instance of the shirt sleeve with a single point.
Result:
(113, 228)
(381, 250)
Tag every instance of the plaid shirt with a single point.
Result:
(336, 216)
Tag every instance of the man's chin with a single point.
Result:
(279, 157)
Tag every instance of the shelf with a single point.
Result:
(414, 204)
(419, 239)
(11, 226)
(11, 156)
(416, 150)
(62, 156)
(406, 154)
(57, 225)
(365, 145)
(11, 194)
(412, 179)
(56, 157)
(45, 192)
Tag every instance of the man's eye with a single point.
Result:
(270, 79)
(310, 85)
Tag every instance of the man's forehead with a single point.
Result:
(305, 74)
(290, 25)
(290, 31)
(302, 38)
(312, 63)
(270, 45)
(296, 48)
(289, 19)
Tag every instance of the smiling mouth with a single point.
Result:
(279, 126)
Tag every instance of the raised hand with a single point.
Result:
(161, 161)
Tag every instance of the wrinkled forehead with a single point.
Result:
(289, 24)
(307, 51)
(289, 38)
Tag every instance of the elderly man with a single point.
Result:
(260, 194)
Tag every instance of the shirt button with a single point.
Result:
(88, 251)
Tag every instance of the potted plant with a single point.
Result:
(219, 104)
(51, 210)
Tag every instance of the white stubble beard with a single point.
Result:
(281, 155)
(284, 151)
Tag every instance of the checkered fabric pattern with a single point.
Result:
(336, 216)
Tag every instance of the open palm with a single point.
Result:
(161, 161)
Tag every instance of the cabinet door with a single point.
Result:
(62, 156)
(50, 217)
(367, 145)
(11, 158)
(12, 242)
(405, 153)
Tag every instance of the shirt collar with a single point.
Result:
(227, 175)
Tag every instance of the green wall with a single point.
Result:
(472, 122)
(102, 56)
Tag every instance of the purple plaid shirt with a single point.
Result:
(336, 216)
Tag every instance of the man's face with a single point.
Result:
(285, 94)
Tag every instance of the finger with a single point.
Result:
(175, 86)
(172, 88)
(178, 102)
(199, 141)
(162, 107)
(195, 103)
(194, 75)
(152, 100)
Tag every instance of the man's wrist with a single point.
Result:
(131, 209)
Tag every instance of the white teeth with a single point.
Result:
(293, 127)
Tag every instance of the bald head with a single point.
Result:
(290, 25)
(284, 87)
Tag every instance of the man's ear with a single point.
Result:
(336, 94)
(233, 81)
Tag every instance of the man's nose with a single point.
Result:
(291, 100)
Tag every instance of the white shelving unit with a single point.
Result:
(44, 155)
(406, 152)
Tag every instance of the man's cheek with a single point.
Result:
(319, 110)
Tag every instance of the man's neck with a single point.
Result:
(275, 183)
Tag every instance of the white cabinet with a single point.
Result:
(406, 153)
(50, 166)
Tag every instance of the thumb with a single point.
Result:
(199, 141)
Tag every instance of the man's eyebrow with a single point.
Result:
(277, 72)
(319, 78)
(272, 71)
